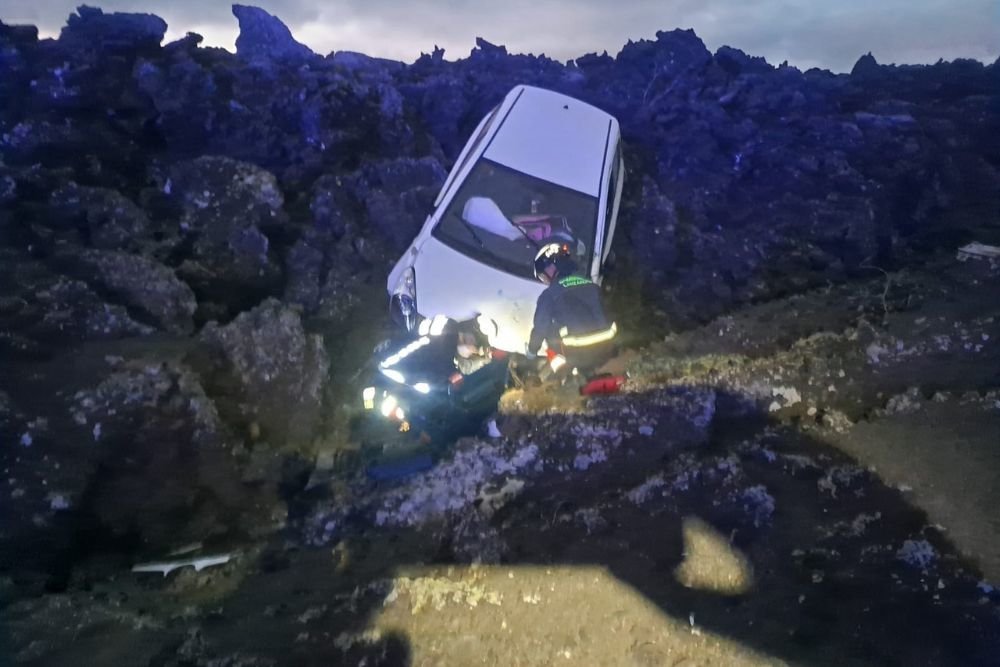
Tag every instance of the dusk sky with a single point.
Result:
(806, 33)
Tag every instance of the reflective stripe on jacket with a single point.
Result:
(570, 307)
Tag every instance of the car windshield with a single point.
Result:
(501, 217)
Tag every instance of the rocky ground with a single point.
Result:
(809, 481)
(193, 243)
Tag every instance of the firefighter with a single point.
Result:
(569, 315)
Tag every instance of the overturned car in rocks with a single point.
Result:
(541, 167)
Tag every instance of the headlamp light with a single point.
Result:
(488, 326)
(389, 405)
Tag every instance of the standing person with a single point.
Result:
(569, 315)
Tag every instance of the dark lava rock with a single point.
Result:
(225, 204)
(91, 28)
(361, 222)
(143, 285)
(18, 35)
(267, 370)
(354, 60)
(168, 474)
(866, 66)
(8, 188)
(105, 218)
(738, 62)
(653, 231)
(398, 195)
(45, 307)
(332, 205)
(132, 451)
(305, 272)
(328, 277)
(263, 36)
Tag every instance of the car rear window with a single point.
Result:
(501, 217)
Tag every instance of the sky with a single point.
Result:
(831, 34)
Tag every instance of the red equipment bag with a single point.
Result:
(606, 384)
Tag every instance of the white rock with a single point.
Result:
(59, 502)
(790, 395)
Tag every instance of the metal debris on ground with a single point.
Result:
(199, 563)
(976, 250)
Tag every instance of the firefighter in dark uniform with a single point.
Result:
(569, 315)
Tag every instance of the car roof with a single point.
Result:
(553, 137)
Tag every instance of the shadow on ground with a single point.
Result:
(754, 543)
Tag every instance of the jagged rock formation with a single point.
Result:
(263, 36)
(156, 193)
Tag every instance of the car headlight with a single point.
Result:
(404, 299)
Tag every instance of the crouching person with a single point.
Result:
(569, 316)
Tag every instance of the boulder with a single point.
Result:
(397, 196)
(91, 28)
(160, 443)
(866, 66)
(264, 37)
(17, 42)
(107, 219)
(71, 311)
(18, 35)
(737, 62)
(40, 306)
(147, 288)
(8, 188)
(486, 50)
(652, 232)
(354, 60)
(332, 205)
(304, 268)
(225, 205)
(268, 371)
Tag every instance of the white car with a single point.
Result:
(540, 167)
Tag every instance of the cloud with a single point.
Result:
(803, 32)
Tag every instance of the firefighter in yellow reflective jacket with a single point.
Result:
(569, 315)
